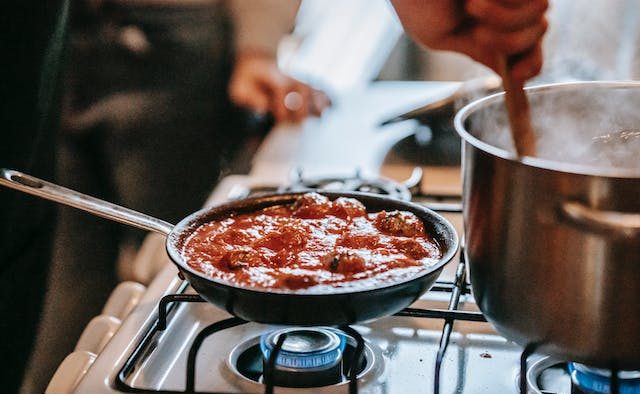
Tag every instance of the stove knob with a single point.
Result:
(70, 372)
(98, 333)
(123, 299)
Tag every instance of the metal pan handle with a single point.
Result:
(597, 220)
(50, 191)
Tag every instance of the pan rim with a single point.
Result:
(182, 227)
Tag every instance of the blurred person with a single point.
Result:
(150, 121)
(33, 34)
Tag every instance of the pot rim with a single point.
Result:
(469, 109)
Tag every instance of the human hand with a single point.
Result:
(485, 30)
(258, 84)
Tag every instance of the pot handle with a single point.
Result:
(50, 191)
(597, 220)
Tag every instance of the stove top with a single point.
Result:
(166, 339)
(194, 345)
(174, 342)
(399, 352)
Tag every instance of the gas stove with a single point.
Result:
(173, 342)
(164, 339)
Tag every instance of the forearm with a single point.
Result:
(260, 24)
(485, 30)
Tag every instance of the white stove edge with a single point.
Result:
(100, 374)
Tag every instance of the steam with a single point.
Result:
(590, 125)
(587, 125)
(591, 40)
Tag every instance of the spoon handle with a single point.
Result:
(47, 190)
(518, 111)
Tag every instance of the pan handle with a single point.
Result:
(50, 191)
(595, 219)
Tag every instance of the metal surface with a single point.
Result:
(356, 183)
(47, 190)
(538, 275)
(598, 220)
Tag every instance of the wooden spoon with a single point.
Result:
(518, 111)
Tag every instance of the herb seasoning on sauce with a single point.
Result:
(314, 244)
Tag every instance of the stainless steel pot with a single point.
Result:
(554, 247)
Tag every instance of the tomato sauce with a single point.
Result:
(313, 243)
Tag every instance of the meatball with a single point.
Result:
(411, 248)
(295, 282)
(277, 210)
(344, 207)
(240, 258)
(359, 241)
(345, 263)
(399, 223)
(288, 237)
(311, 206)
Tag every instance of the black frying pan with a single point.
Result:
(341, 306)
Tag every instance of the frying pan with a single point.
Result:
(275, 306)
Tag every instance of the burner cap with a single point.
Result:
(549, 375)
(598, 381)
(248, 359)
(304, 348)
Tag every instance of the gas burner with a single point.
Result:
(309, 357)
(548, 376)
(359, 183)
(590, 380)
(551, 376)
